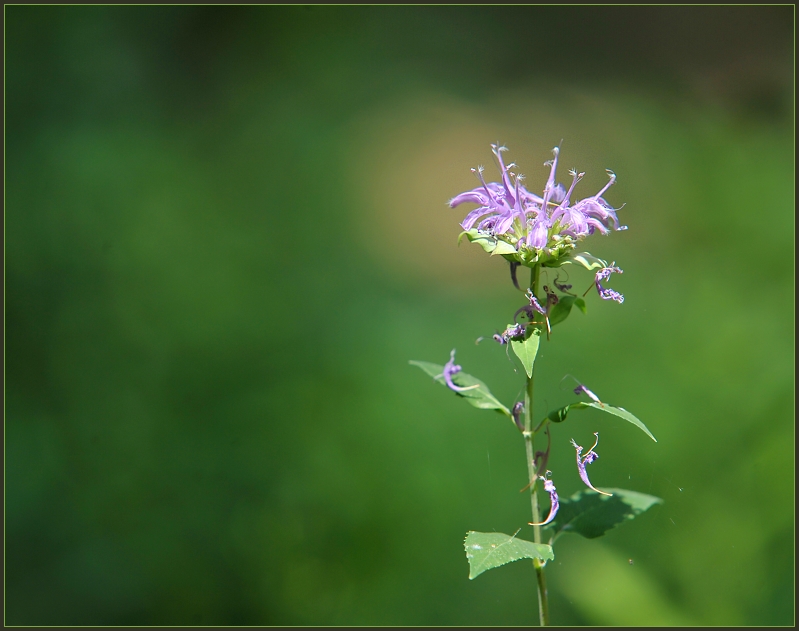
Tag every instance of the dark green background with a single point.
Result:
(227, 234)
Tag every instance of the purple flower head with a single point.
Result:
(606, 293)
(554, 504)
(451, 369)
(541, 229)
(582, 461)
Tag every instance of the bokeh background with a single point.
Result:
(227, 234)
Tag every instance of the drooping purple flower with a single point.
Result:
(606, 293)
(582, 461)
(531, 309)
(512, 332)
(599, 214)
(554, 504)
(451, 369)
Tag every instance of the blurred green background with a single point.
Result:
(227, 234)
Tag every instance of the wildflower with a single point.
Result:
(606, 293)
(587, 459)
(540, 229)
(451, 369)
(554, 504)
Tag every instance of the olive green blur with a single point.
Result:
(227, 233)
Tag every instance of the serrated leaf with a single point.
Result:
(478, 397)
(559, 415)
(487, 550)
(526, 350)
(591, 515)
(588, 261)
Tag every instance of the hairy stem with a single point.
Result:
(529, 446)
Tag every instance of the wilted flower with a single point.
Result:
(451, 369)
(581, 389)
(518, 408)
(554, 504)
(606, 293)
(533, 229)
(512, 332)
(531, 309)
(587, 459)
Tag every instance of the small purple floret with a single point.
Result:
(531, 309)
(605, 292)
(450, 370)
(554, 503)
(582, 461)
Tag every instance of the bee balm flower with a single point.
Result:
(533, 229)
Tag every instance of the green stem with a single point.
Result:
(529, 446)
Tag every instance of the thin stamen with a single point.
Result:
(608, 185)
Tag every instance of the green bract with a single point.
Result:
(506, 246)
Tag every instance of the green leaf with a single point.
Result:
(487, 550)
(588, 260)
(580, 303)
(526, 350)
(561, 310)
(591, 515)
(478, 397)
(559, 415)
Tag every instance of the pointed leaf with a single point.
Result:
(561, 310)
(621, 413)
(526, 350)
(591, 515)
(487, 550)
(559, 415)
(479, 397)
